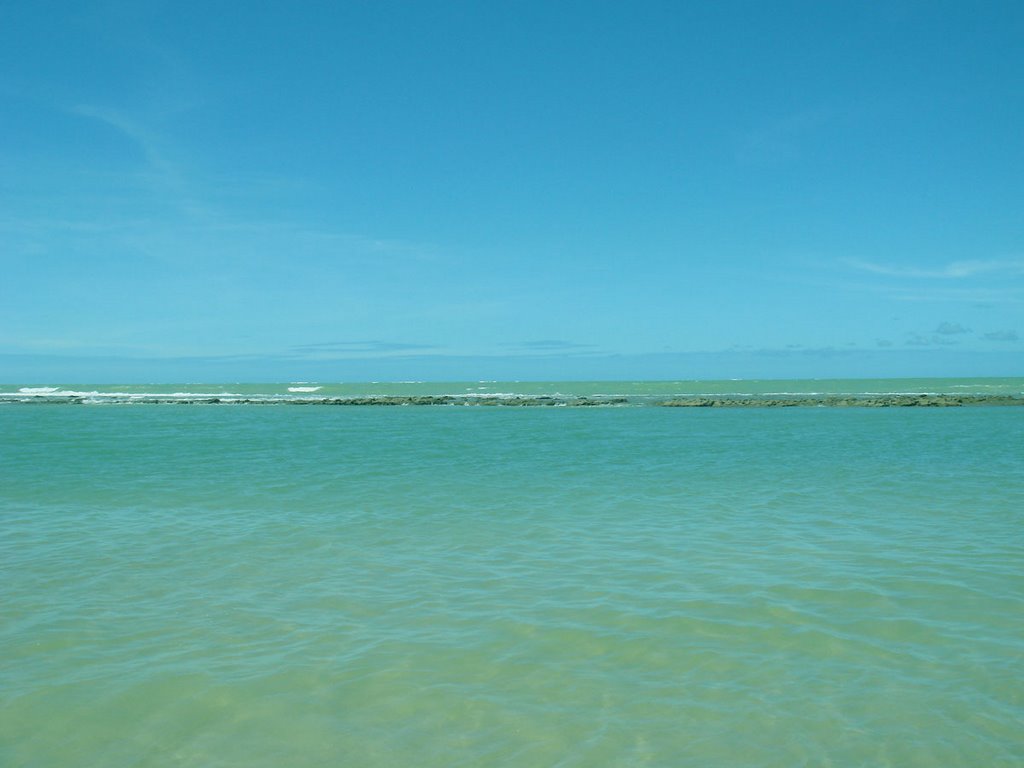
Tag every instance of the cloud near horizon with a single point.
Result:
(370, 345)
(936, 339)
(547, 345)
(1001, 336)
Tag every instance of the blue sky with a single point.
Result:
(547, 190)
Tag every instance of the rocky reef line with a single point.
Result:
(851, 401)
(380, 400)
(689, 401)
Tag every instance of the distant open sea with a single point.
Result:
(258, 586)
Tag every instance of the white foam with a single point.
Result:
(56, 393)
(304, 389)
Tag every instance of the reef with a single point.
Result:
(851, 401)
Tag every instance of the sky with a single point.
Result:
(351, 191)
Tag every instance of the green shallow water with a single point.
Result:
(250, 586)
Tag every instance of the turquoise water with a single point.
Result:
(254, 586)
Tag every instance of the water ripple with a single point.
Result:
(227, 587)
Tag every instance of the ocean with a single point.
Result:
(265, 585)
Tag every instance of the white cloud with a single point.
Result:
(919, 340)
(952, 271)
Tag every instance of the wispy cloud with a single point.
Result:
(164, 173)
(1001, 336)
(63, 345)
(779, 140)
(987, 295)
(132, 129)
(920, 340)
(967, 295)
(951, 271)
(547, 345)
(357, 348)
(951, 329)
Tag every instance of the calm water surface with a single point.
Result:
(269, 585)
